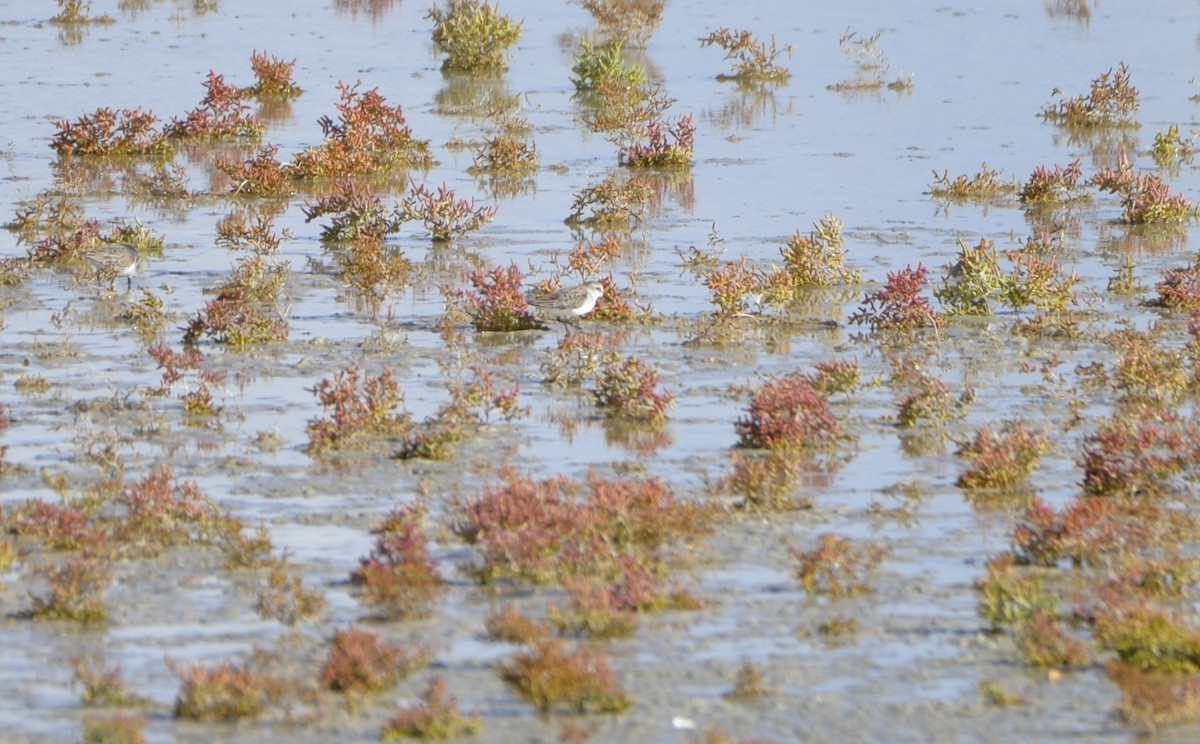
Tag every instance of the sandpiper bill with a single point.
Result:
(568, 304)
(110, 260)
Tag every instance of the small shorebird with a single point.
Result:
(567, 304)
(110, 260)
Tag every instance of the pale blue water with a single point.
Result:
(767, 164)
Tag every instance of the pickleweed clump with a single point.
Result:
(552, 677)
(224, 692)
(579, 357)
(444, 216)
(356, 413)
(262, 174)
(357, 213)
(596, 66)
(1171, 149)
(1112, 102)
(972, 281)
(1145, 198)
(787, 413)
(753, 60)
(510, 626)
(76, 589)
(159, 512)
(735, 286)
(504, 154)
(77, 12)
(45, 214)
(769, 482)
(1179, 289)
(471, 406)
(369, 137)
(1038, 282)
(922, 396)
(1150, 458)
(899, 306)
(749, 684)
(600, 608)
(629, 389)
(498, 302)
(359, 662)
(108, 132)
(619, 200)
(273, 76)
(1152, 699)
(1054, 188)
(475, 36)
(550, 530)
(986, 184)
(663, 145)
(221, 114)
(239, 231)
(814, 260)
(242, 313)
(1151, 639)
(399, 578)
(1044, 643)
(1085, 532)
(103, 686)
(1011, 595)
(1002, 457)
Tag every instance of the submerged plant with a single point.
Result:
(870, 65)
(838, 566)
(626, 19)
(436, 717)
(753, 60)
(985, 184)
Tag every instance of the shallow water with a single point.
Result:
(768, 163)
